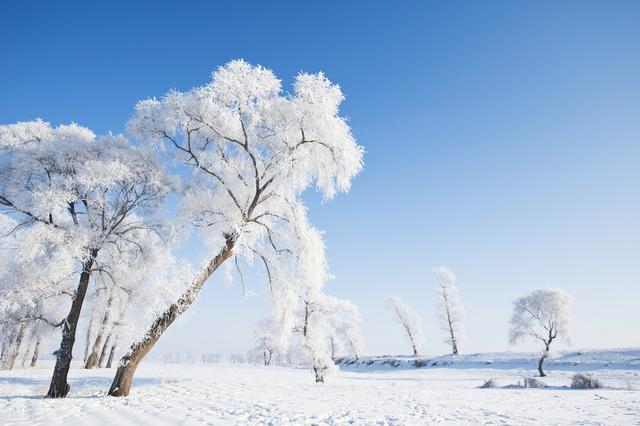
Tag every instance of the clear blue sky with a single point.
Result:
(503, 140)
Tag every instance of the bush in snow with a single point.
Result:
(584, 381)
(489, 384)
(532, 382)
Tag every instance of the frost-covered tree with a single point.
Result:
(450, 309)
(33, 287)
(410, 321)
(90, 192)
(543, 315)
(266, 342)
(323, 320)
(252, 151)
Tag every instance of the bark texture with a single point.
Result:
(103, 352)
(36, 353)
(59, 388)
(15, 348)
(112, 352)
(129, 362)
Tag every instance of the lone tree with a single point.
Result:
(450, 309)
(410, 321)
(95, 192)
(252, 151)
(543, 315)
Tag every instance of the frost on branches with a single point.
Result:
(543, 315)
(252, 150)
(450, 309)
(410, 321)
(89, 194)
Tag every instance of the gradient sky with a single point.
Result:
(502, 138)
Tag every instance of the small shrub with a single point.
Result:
(585, 381)
(489, 384)
(532, 382)
(419, 363)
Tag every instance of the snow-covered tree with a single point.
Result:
(450, 309)
(33, 286)
(323, 320)
(90, 192)
(252, 150)
(543, 315)
(266, 343)
(410, 321)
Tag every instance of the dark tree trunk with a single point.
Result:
(59, 387)
(319, 372)
(545, 354)
(454, 343)
(112, 352)
(129, 362)
(36, 353)
(103, 352)
(540, 362)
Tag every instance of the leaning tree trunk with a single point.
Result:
(25, 355)
(36, 353)
(87, 341)
(129, 362)
(545, 354)
(15, 350)
(103, 352)
(454, 343)
(59, 387)
(112, 352)
(92, 360)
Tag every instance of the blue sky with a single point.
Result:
(502, 138)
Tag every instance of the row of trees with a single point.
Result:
(83, 219)
(544, 316)
(450, 313)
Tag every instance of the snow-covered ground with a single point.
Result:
(244, 394)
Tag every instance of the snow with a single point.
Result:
(579, 360)
(247, 394)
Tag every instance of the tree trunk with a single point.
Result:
(542, 358)
(103, 352)
(87, 341)
(15, 350)
(36, 353)
(92, 361)
(26, 355)
(454, 343)
(319, 372)
(59, 387)
(112, 352)
(129, 362)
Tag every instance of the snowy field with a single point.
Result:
(245, 394)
